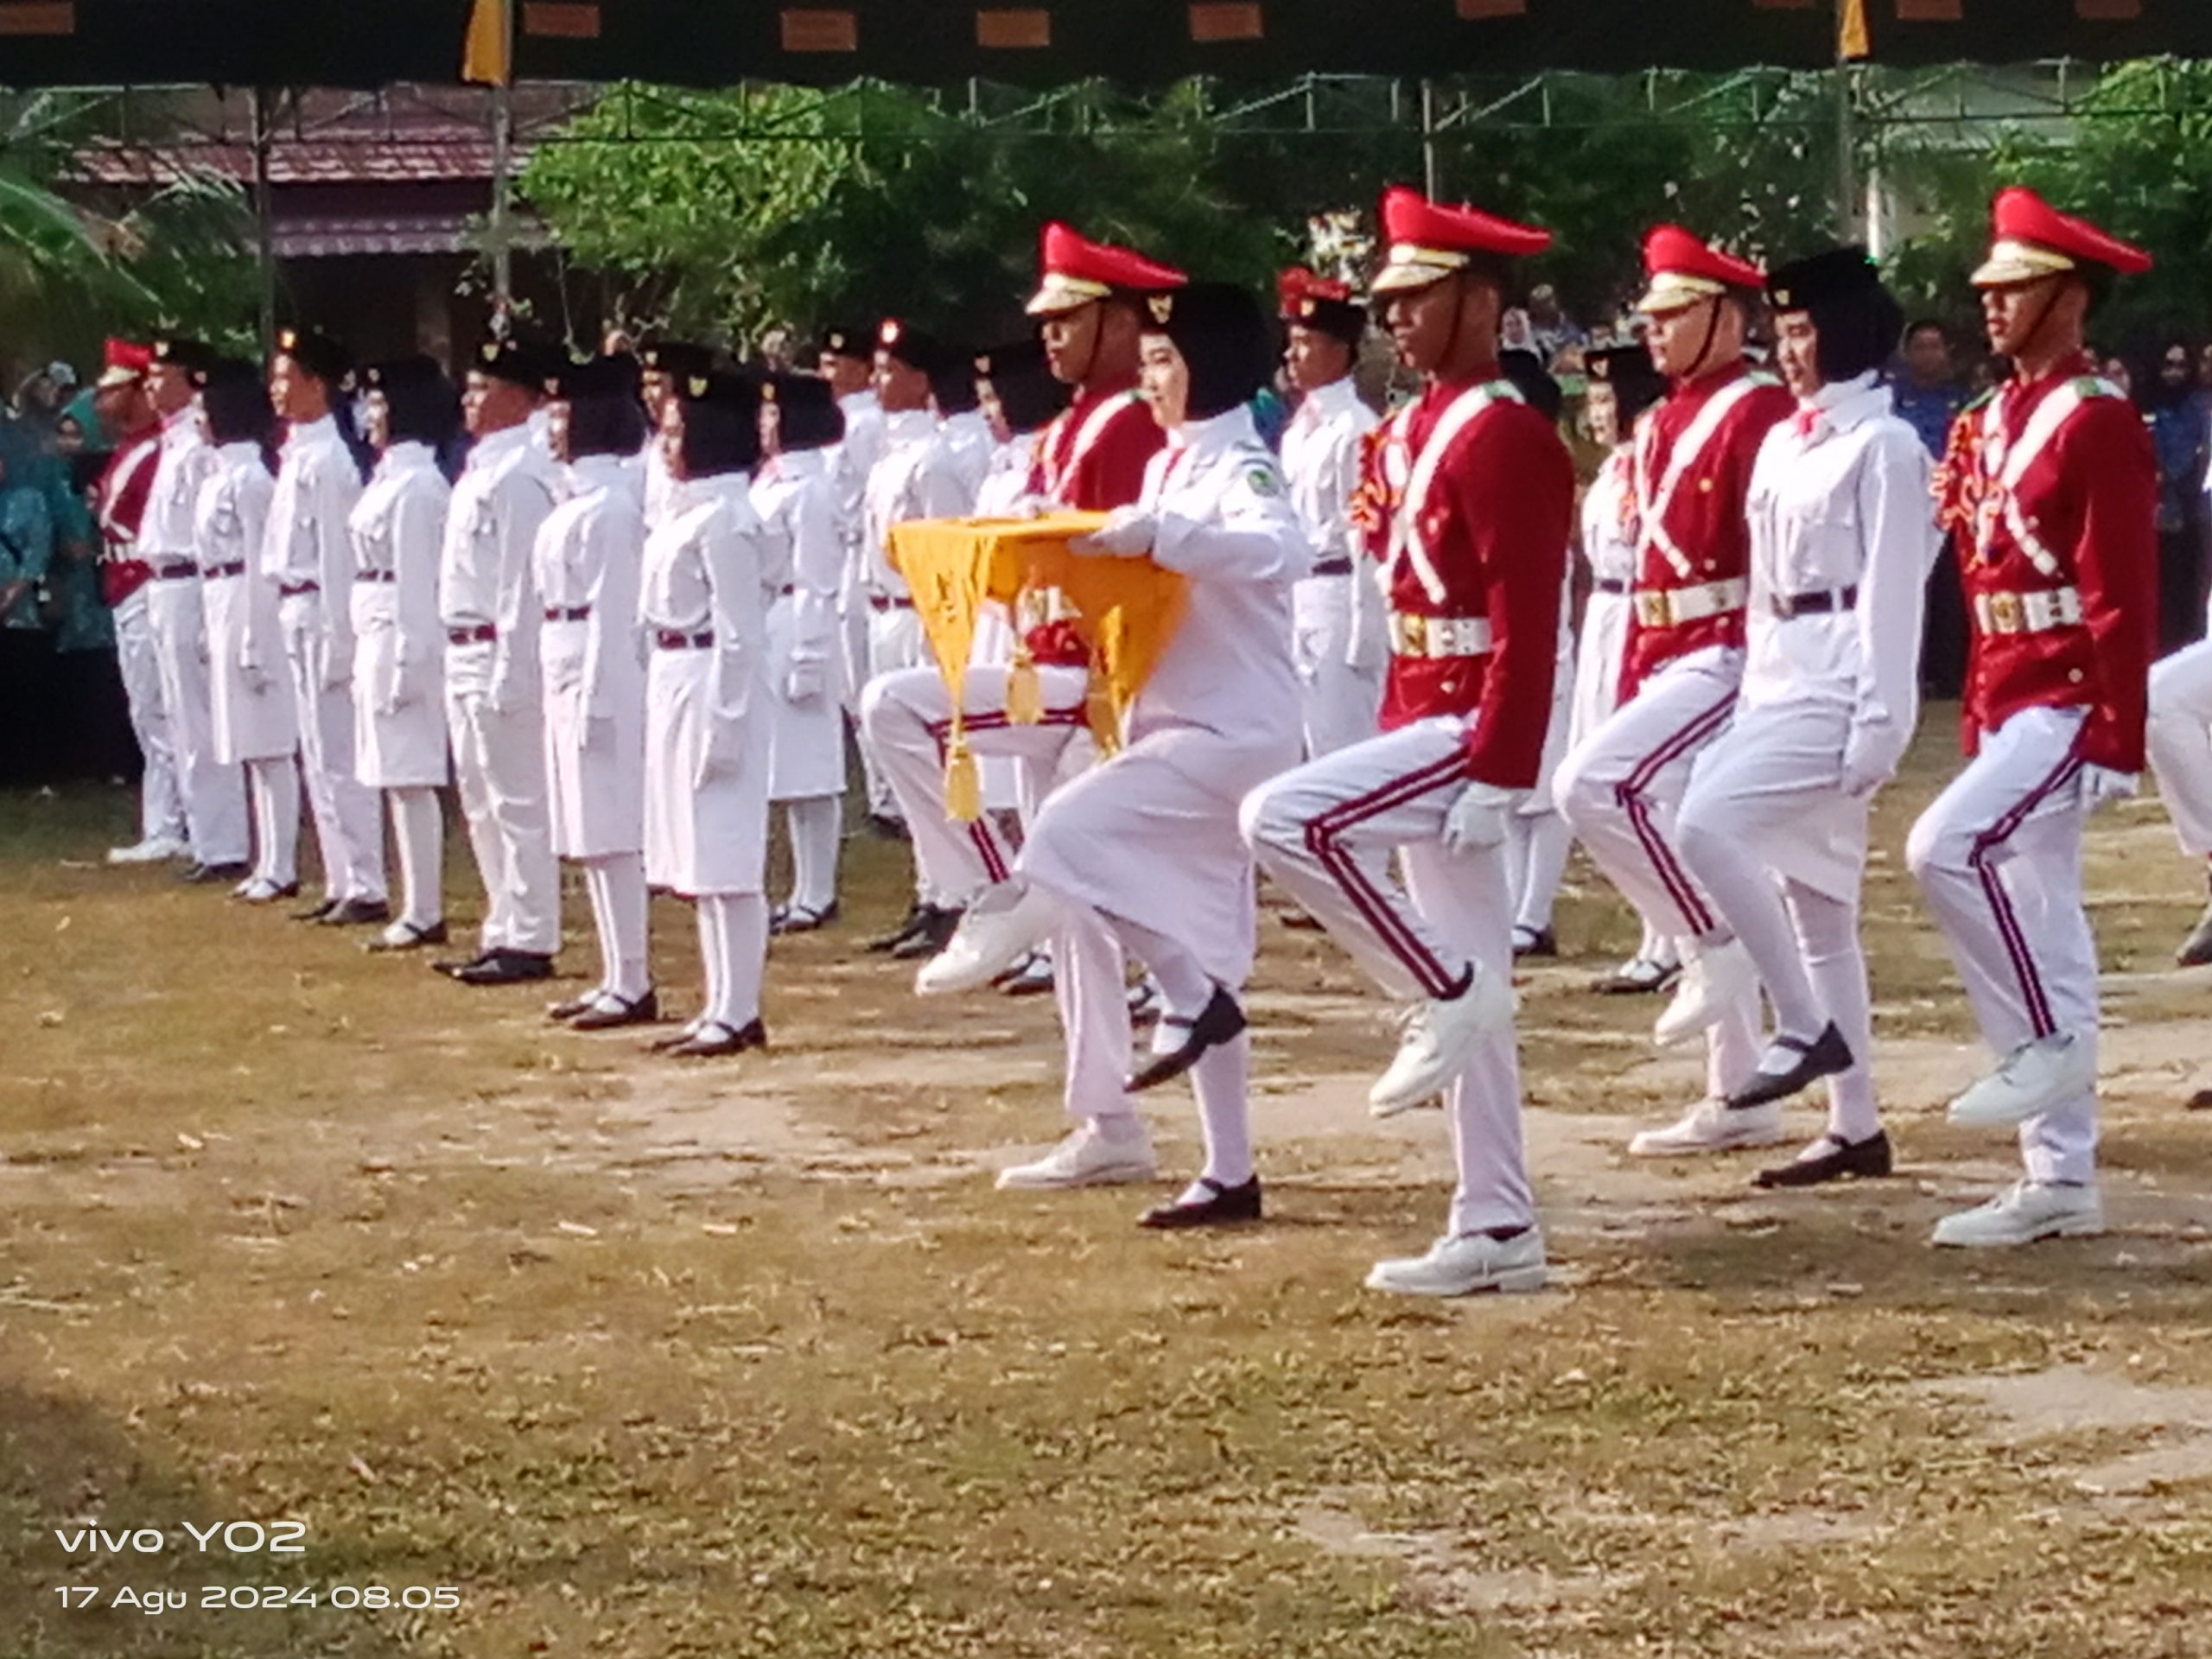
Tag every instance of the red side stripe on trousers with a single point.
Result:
(2040, 1018)
(1630, 795)
(1374, 907)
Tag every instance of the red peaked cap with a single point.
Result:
(1681, 269)
(1298, 283)
(1077, 270)
(125, 361)
(1429, 240)
(2031, 239)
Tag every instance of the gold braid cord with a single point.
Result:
(1126, 612)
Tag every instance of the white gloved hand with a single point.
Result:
(1477, 818)
(719, 761)
(806, 681)
(2101, 786)
(1870, 754)
(1127, 533)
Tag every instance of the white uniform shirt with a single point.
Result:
(917, 478)
(1006, 483)
(585, 558)
(186, 461)
(794, 498)
(855, 457)
(1320, 458)
(1839, 499)
(1226, 521)
(968, 436)
(664, 492)
(1607, 547)
(307, 545)
(484, 577)
(702, 574)
(230, 520)
(398, 526)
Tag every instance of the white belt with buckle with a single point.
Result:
(2035, 612)
(1666, 607)
(1439, 635)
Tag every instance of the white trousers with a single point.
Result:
(816, 826)
(895, 641)
(1326, 831)
(418, 829)
(620, 909)
(2180, 743)
(906, 722)
(1619, 789)
(1998, 858)
(1763, 809)
(1341, 703)
(733, 949)
(275, 788)
(214, 793)
(499, 766)
(347, 826)
(161, 802)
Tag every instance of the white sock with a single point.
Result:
(1540, 846)
(620, 909)
(419, 828)
(276, 819)
(1837, 965)
(817, 825)
(1221, 1080)
(737, 960)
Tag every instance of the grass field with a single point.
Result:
(750, 1359)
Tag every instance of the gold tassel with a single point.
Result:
(1024, 695)
(1098, 709)
(963, 784)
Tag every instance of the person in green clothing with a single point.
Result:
(26, 652)
(92, 716)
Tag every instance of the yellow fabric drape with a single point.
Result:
(1852, 42)
(488, 50)
(1126, 611)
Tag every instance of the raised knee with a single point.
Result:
(1263, 820)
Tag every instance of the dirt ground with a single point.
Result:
(641, 1360)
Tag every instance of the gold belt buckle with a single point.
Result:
(1413, 635)
(2007, 611)
(1654, 609)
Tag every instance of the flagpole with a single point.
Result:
(1850, 21)
(502, 166)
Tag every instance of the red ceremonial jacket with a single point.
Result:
(1496, 524)
(2091, 500)
(119, 505)
(1703, 517)
(1108, 472)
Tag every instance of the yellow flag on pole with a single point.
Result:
(487, 53)
(1852, 41)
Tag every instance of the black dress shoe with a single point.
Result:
(289, 890)
(1835, 1161)
(713, 1039)
(1642, 978)
(563, 1012)
(2197, 950)
(314, 912)
(1220, 1021)
(452, 967)
(200, 875)
(1537, 942)
(609, 1011)
(798, 918)
(1301, 921)
(884, 826)
(1825, 1056)
(411, 939)
(506, 967)
(901, 933)
(935, 932)
(356, 912)
(1222, 1206)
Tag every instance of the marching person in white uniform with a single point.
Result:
(968, 435)
(916, 477)
(1141, 855)
(1475, 561)
(399, 720)
(665, 362)
(846, 358)
(253, 712)
(709, 712)
(214, 791)
(1343, 626)
(1622, 385)
(494, 699)
(795, 497)
(585, 566)
(1774, 824)
(310, 555)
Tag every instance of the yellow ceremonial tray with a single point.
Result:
(1127, 610)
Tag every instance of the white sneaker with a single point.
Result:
(2033, 1079)
(2022, 1214)
(154, 849)
(1437, 1039)
(998, 930)
(1086, 1157)
(1466, 1265)
(1712, 1126)
(1714, 977)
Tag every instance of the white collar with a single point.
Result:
(801, 463)
(1334, 398)
(1843, 405)
(1217, 432)
(240, 452)
(854, 401)
(408, 455)
(324, 430)
(909, 424)
(495, 447)
(597, 472)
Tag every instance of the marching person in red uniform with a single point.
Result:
(1475, 565)
(2053, 484)
(119, 503)
(1622, 785)
(1092, 457)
